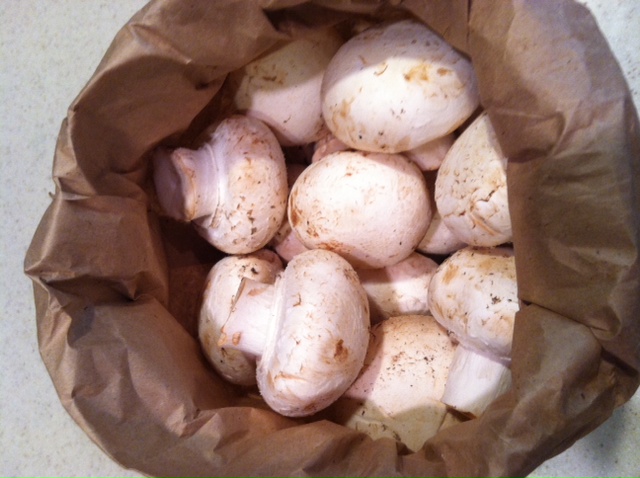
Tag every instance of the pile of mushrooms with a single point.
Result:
(359, 193)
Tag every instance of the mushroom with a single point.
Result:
(471, 187)
(326, 145)
(397, 86)
(285, 242)
(309, 332)
(439, 239)
(474, 295)
(220, 288)
(371, 208)
(397, 393)
(429, 156)
(274, 87)
(398, 289)
(233, 189)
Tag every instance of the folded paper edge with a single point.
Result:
(431, 453)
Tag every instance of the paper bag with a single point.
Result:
(117, 286)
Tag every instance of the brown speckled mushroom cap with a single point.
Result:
(371, 208)
(318, 341)
(397, 393)
(474, 294)
(282, 88)
(397, 86)
(220, 288)
(399, 289)
(471, 187)
(252, 185)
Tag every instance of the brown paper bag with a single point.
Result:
(116, 288)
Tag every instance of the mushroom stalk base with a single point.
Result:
(474, 382)
(186, 183)
(248, 323)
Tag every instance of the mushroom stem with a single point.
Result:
(474, 381)
(251, 314)
(186, 182)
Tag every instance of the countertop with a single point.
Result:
(49, 50)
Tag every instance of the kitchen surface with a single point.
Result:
(49, 49)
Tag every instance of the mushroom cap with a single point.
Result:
(326, 145)
(471, 187)
(252, 197)
(439, 239)
(429, 156)
(318, 342)
(285, 242)
(474, 295)
(397, 393)
(273, 87)
(371, 208)
(221, 286)
(397, 86)
(399, 289)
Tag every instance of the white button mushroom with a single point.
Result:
(285, 242)
(371, 208)
(399, 289)
(234, 188)
(429, 156)
(309, 332)
(186, 182)
(474, 294)
(397, 393)
(326, 145)
(220, 288)
(439, 239)
(395, 87)
(475, 380)
(471, 187)
(282, 88)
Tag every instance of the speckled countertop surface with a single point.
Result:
(48, 51)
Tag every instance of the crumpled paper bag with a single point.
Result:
(117, 286)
